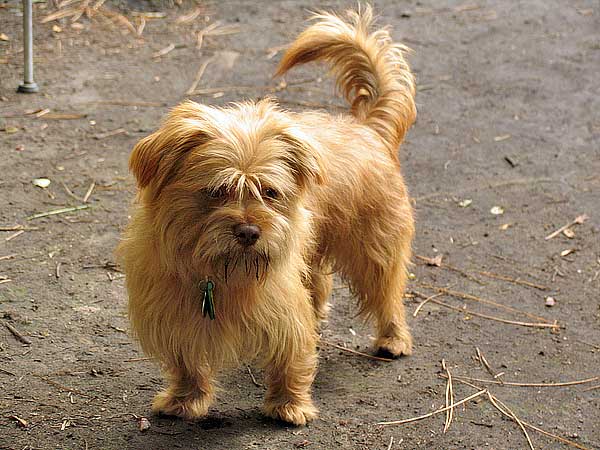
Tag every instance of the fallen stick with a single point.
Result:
(57, 211)
(69, 192)
(129, 103)
(87, 195)
(198, 77)
(514, 383)
(433, 413)
(514, 280)
(497, 319)
(18, 336)
(12, 236)
(474, 298)
(7, 372)
(533, 427)
(578, 220)
(349, 350)
(592, 388)
(507, 412)
(449, 397)
(18, 228)
(485, 364)
(162, 52)
(420, 305)
(256, 383)
(429, 262)
(106, 134)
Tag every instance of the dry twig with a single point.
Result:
(449, 397)
(420, 305)
(507, 412)
(256, 383)
(57, 211)
(437, 411)
(88, 194)
(514, 280)
(533, 427)
(429, 262)
(354, 352)
(497, 319)
(198, 77)
(474, 298)
(514, 383)
(578, 220)
(18, 336)
(14, 235)
(485, 364)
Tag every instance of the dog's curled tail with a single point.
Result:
(370, 70)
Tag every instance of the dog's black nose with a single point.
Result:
(247, 234)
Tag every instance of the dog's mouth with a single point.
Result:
(250, 263)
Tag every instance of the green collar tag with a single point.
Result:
(208, 301)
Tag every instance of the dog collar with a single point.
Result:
(208, 301)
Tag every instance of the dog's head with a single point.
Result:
(224, 186)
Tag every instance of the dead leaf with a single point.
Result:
(435, 261)
(569, 233)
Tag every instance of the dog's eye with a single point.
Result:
(271, 193)
(217, 193)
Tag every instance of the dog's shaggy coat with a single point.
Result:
(325, 195)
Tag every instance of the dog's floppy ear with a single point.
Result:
(305, 156)
(155, 157)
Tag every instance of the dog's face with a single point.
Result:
(225, 186)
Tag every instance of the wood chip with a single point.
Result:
(22, 422)
(162, 52)
(502, 138)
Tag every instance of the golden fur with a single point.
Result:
(327, 195)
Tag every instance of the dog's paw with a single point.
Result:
(295, 413)
(394, 346)
(165, 403)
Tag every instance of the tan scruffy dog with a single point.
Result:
(244, 212)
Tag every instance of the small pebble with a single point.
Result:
(550, 302)
(144, 424)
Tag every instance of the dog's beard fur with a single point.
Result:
(325, 192)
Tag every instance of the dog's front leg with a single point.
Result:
(188, 395)
(289, 377)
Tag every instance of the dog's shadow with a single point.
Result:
(236, 422)
(223, 429)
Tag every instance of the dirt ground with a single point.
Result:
(509, 117)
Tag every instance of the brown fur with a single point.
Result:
(342, 206)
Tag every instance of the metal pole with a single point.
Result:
(28, 85)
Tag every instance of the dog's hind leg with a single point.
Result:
(375, 262)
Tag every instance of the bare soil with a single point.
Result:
(509, 116)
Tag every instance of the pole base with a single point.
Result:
(28, 88)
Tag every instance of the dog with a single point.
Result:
(244, 212)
